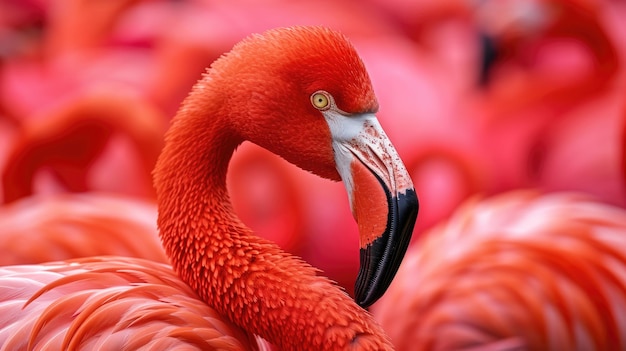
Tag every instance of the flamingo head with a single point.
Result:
(307, 97)
(507, 26)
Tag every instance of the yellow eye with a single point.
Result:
(320, 100)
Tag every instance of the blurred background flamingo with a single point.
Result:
(493, 96)
(519, 271)
(104, 141)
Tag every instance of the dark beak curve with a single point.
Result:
(381, 258)
(489, 55)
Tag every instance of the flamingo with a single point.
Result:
(300, 92)
(69, 140)
(519, 271)
(203, 31)
(546, 50)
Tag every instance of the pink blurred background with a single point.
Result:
(479, 98)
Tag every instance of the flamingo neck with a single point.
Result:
(195, 213)
(248, 279)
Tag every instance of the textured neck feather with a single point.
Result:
(190, 178)
(258, 286)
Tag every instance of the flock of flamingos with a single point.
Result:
(509, 116)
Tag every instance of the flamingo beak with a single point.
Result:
(382, 199)
(489, 54)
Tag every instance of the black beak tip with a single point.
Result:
(381, 259)
(489, 55)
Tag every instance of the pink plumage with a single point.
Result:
(108, 303)
(518, 270)
(60, 227)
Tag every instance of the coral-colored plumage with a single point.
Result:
(108, 303)
(261, 91)
(517, 271)
(66, 226)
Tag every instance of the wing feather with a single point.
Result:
(108, 303)
(540, 272)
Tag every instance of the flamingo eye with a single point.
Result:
(321, 100)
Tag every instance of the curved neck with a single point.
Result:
(248, 279)
(190, 179)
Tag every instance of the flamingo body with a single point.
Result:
(517, 271)
(108, 303)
